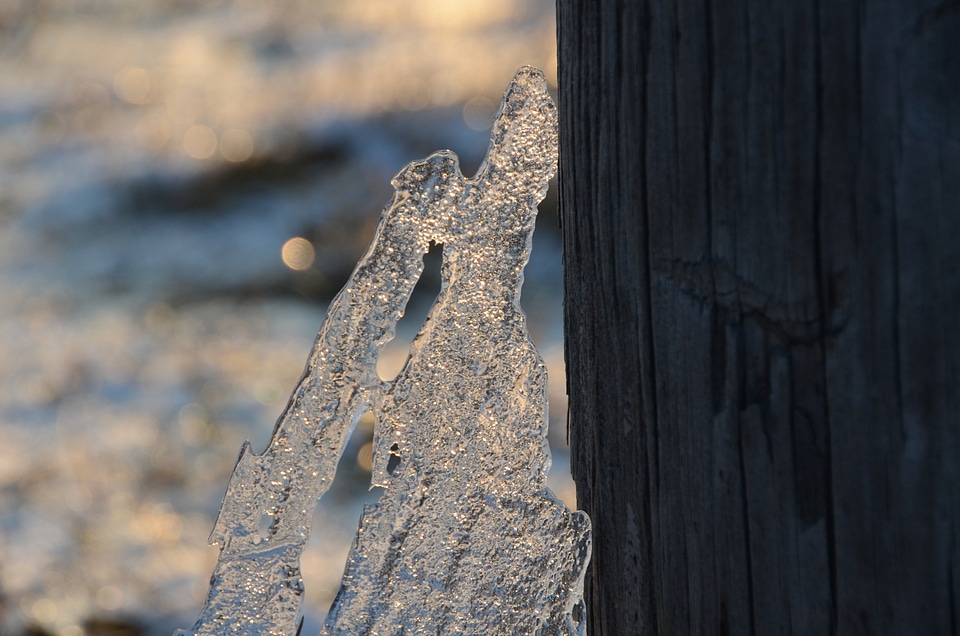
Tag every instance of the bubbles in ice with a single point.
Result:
(466, 538)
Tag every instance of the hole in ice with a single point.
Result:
(263, 528)
(338, 513)
(396, 352)
(394, 460)
(577, 613)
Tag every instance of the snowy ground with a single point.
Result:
(155, 156)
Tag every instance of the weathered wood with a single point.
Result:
(760, 204)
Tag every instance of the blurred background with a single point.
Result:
(184, 184)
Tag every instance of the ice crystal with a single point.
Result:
(466, 538)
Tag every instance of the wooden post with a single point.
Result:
(760, 206)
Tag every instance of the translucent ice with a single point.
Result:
(466, 538)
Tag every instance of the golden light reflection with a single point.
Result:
(236, 145)
(298, 253)
(200, 142)
(132, 85)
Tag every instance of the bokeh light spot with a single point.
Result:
(298, 253)
(200, 142)
(365, 457)
(109, 598)
(44, 610)
(132, 85)
(478, 113)
(236, 145)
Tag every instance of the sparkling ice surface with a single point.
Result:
(466, 538)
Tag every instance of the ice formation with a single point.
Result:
(466, 538)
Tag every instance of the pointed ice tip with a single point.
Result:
(530, 74)
(528, 83)
(523, 141)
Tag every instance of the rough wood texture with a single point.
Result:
(760, 204)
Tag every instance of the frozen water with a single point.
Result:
(466, 538)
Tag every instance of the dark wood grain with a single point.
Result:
(760, 206)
